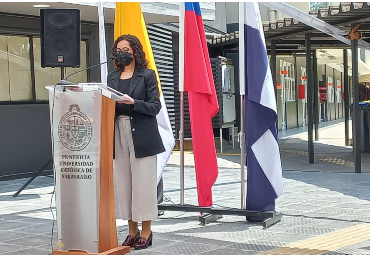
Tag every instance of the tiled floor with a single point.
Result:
(319, 199)
(314, 204)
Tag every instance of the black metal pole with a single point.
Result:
(273, 66)
(62, 73)
(316, 95)
(346, 97)
(31, 179)
(311, 155)
(32, 66)
(356, 108)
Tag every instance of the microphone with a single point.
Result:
(65, 82)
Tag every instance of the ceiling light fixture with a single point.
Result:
(41, 5)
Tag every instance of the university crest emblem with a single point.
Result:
(74, 129)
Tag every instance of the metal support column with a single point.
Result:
(182, 152)
(356, 108)
(273, 66)
(311, 155)
(242, 155)
(62, 73)
(273, 73)
(346, 97)
(316, 95)
(181, 89)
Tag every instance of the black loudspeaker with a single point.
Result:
(60, 37)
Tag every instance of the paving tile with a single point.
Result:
(27, 220)
(345, 251)
(11, 216)
(149, 251)
(11, 247)
(310, 230)
(186, 248)
(229, 251)
(35, 240)
(199, 240)
(36, 229)
(29, 251)
(9, 235)
(13, 225)
(258, 245)
(171, 236)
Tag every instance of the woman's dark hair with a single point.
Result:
(139, 54)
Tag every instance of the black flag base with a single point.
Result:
(272, 221)
(211, 214)
(270, 207)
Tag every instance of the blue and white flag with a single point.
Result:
(264, 171)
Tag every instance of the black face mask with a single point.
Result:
(124, 57)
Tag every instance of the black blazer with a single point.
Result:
(144, 128)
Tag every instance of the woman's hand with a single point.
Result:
(126, 99)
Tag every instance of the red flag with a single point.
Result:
(203, 104)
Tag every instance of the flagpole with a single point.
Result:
(181, 89)
(210, 214)
(102, 44)
(242, 93)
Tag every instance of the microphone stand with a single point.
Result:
(63, 81)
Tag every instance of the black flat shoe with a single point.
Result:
(130, 240)
(143, 243)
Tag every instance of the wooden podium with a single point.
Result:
(82, 123)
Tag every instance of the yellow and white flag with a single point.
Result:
(130, 20)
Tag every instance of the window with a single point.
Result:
(289, 80)
(43, 76)
(331, 90)
(363, 55)
(50, 76)
(339, 96)
(82, 76)
(15, 69)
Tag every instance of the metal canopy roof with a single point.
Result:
(289, 33)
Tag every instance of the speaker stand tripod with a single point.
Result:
(62, 75)
(31, 179)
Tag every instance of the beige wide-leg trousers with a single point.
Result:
(135, 179)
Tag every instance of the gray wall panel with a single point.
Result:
(162, 44)
(291, 109)
(25, 139)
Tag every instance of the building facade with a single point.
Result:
(25, 145)
(291, 102)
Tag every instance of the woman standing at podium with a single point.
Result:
(137, 140)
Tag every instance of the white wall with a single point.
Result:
(304, 6)
(232, 12)
(271, 15)
(367, 57)
(220, 20)
(365, 78)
